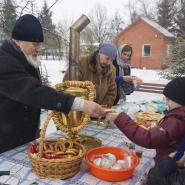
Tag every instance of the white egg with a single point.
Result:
(110, 157)
(122, 163)
(128, 161)
(97, 161)
(116, 166)
(105, 163)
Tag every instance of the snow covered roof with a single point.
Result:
(158, 27)
(153, 24)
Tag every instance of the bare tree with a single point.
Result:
(141, 8)
(8, 17)
(26, 6)
(32, 6)
(132, 11)
(63, 30)
(87, 40)
(29, 4)
(147, 9)
(99, 23)
(116, 24)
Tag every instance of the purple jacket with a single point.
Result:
(165, 138)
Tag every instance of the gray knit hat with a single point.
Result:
(108, 49)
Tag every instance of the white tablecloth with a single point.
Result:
(17, 162)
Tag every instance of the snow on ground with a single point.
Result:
(143, 96)
(149, 76)
(55, 70)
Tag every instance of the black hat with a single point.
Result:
(28, 28)
(175, 90)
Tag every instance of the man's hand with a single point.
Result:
(93, 109)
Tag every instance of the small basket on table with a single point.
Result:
(147, 120)
(56, 159)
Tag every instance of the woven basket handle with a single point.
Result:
(43, 133)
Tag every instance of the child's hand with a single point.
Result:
(110, 117)
(172, 154)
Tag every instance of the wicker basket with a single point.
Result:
(147, 120)
(67, 165)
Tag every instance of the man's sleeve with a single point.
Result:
(18, 85)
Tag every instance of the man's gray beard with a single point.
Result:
(33, 60)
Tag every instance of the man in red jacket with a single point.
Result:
(166, 136)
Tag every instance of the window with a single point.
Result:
(146, 51)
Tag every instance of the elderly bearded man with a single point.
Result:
(22, 94)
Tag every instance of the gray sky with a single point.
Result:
(73, 9)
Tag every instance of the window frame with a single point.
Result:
(143, 46)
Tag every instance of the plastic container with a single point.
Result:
(110, 174)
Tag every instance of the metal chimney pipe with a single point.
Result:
(74, 45)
